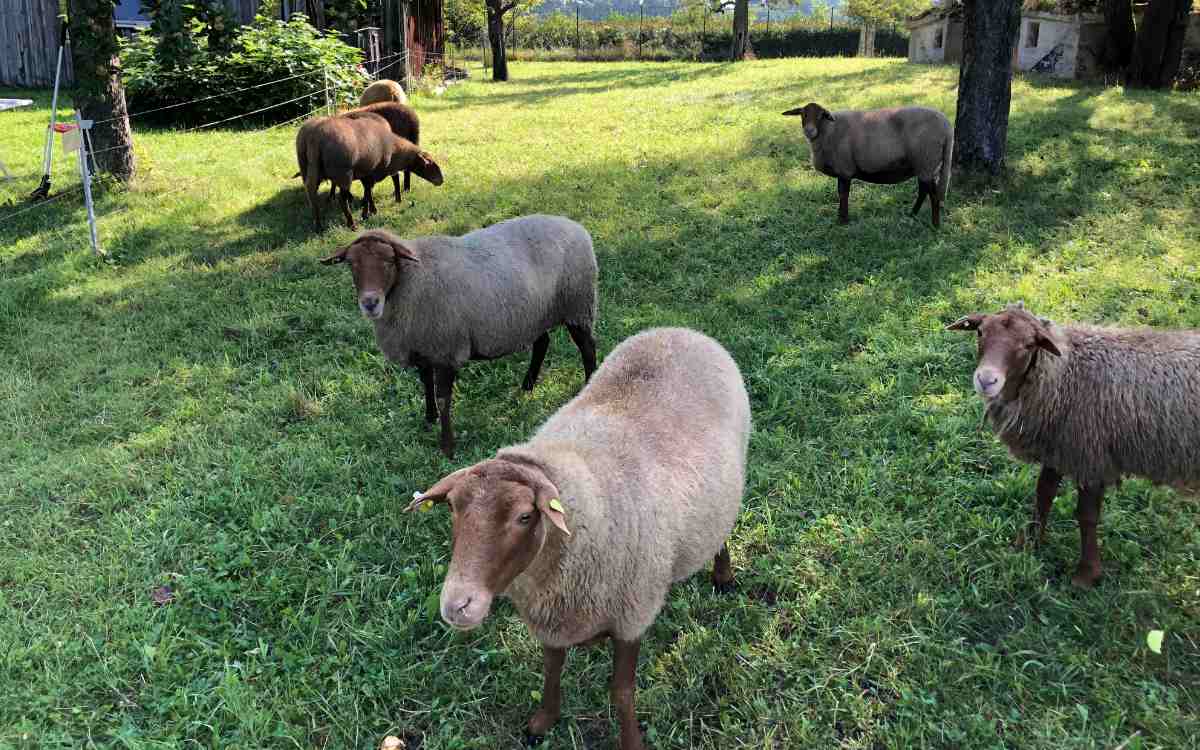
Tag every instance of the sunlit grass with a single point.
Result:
(208, 411)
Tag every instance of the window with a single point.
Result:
(1031, 36)
(937, 39)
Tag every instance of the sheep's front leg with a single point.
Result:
(368, 199)
(548, 712)
(396, 184)
(535, 361)
(344, 194)
(431, 409)
(935, 205)
(582, 336)
(1047, 488)
(843, 200)
(624, 685)
(1087, 513)
(445, 391)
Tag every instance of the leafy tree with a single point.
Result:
(1159, 48)
(990, 29)
(98, 92)
(465, 21)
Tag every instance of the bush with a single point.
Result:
(267, 50)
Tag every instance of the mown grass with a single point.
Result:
(208, 412)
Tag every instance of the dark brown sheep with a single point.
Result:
(1095, 404)
(404, 122)
(883, 146)
(364, 148)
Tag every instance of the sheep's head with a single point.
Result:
(812, 117)
(426, 168)
(1008, 345)
(500, 513)
(376, 261)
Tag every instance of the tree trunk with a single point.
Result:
(866, 40)
(990, 31)
(741, 31)
(98, 92)
(1119, 35)
(495, 16)
(1159, 45)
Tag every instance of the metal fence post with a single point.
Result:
(86, 176)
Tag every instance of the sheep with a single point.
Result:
(438, 302)
(1094, 404)
(641, 476)
(343, 149)
(404, 122)
(383, 90)
(883, 146)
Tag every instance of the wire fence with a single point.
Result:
(324, 90)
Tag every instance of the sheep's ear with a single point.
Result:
(827, 115)
(338, 257)
(794, 112)
(437, 493)
(550, 506)
(403, 252)
(966, 323)
(1047, 344)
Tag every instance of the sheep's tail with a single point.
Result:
(313, 174)
(943, 186)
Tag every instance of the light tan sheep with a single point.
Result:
(383, 90)
(883, 146)
(641, 477)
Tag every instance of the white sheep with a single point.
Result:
(641, 476)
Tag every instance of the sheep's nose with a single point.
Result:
(986, 380)
(461, 608)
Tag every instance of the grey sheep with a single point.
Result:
(383, 90)
(641, 475)
(439, 302)
(1094, 404)
(344, 149)
(883, 146)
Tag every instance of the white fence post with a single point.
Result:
(86, 176)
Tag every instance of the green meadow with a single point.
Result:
(207, 411)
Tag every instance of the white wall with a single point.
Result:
(921, 40)
(1054, 30)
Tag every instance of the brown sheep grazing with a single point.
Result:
(1094, 404)
(344, 149)
(383, 90)
(883, 146)
(404, 123)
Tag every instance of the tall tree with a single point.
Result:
(739, 49)
(495, 25)
(990, 30)
(99, 95)
(1119, 35)
(871, 14)
(1159, 48)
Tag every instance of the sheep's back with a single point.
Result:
(492, 292)
(883, 140)
(1124, 402)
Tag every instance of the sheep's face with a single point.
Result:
(813, 117)
(1008, 342)
(500, 512)
(375, 260)
(428, 169)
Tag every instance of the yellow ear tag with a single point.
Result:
(426, 505)
(556, 505)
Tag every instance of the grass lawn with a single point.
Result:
(208, 412)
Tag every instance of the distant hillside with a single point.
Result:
(599, 9)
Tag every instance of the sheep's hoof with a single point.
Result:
(527, 385)
(724, 587)
(1086, 577)
(431, 417)
(539, 724)
(533, 740)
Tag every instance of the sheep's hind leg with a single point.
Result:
(722, 571)
(622, 690)
(1047, 489)
(396, 185)
(535, 361)
(582, 336)
(1087, 513)
(431, 410)
(344, 194)
(548, 712)
(445, 391)
(843, 200)
(923, 189)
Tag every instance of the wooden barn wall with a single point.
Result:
(29, 44)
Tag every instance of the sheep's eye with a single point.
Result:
(524, 519)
